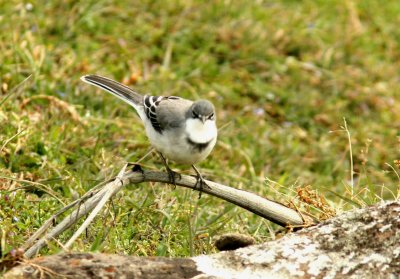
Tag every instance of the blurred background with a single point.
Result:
(307, 99)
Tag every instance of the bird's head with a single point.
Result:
(202, 110)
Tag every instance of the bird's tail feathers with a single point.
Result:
(118, 89)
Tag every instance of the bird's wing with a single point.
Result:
(166, 112)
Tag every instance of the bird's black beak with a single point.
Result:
(203, 119)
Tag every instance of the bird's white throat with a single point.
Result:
(200, 132)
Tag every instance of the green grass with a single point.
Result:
(282, 75)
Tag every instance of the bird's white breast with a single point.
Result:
(200, 132)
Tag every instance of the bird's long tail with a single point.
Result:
(119, 90)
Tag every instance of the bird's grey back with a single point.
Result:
(172, 112)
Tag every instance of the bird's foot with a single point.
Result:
(200, 182)
(135, 167)
(172, 175)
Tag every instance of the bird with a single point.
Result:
(181, 130)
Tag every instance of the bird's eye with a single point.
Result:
(195, 115)
(211, 116)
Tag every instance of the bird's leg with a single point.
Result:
(171, 173)
(200, 183)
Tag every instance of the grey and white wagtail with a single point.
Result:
(181, 130)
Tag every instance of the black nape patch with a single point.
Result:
(199, 147)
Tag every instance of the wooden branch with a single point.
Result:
(268, 209)
(265, 208)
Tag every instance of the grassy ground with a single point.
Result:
(283, 76)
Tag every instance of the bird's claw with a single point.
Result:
(135, 167)
(171, 176)
(171, 173)
(201, 183)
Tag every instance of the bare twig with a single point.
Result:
(16, 89)
(65, 224)
(115, 186)
(265, 208)
(58, 103)
(33, 184)
(351, 157)
(20, 131)
(53, 218)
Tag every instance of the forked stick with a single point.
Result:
(273, 211)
